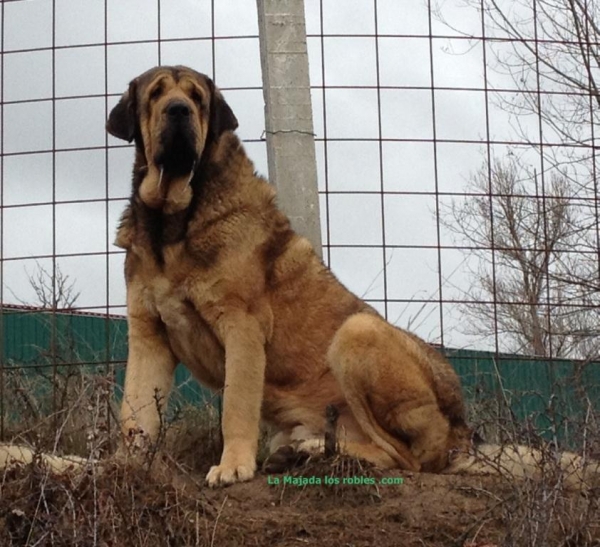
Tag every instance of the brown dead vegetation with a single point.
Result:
(164, 502)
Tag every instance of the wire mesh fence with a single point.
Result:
(456, 153)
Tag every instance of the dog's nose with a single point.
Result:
(178, 110)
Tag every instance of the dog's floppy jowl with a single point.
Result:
(173, 114)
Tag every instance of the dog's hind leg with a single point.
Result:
(289, 449)
(389, 391)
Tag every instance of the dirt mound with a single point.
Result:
(324, 502)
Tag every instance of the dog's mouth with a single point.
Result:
(177, 154)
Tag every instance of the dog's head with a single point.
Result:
(173, 114)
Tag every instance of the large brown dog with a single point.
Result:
(218, 280)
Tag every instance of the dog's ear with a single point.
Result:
(121, 120)
(222, 117)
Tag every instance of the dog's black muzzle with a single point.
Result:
(177, 152)
(178, 112)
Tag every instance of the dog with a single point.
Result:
(218, 280)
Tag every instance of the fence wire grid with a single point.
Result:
(456, 153)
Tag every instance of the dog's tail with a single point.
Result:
(13, 454)
(521, 462)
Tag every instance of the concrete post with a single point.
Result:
(288, 114)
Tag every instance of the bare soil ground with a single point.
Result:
(126, 506)
(117, 504)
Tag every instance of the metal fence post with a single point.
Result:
(288, 114)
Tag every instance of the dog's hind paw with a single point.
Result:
(284, 459)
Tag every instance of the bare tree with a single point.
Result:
(524, 281)
(547, 54)
(549, 50)
(54, 291)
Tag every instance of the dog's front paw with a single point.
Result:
(238, 470)
(134, 445)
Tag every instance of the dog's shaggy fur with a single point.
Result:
(218, 280)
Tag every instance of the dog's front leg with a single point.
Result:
(245, 362)
(148, 379)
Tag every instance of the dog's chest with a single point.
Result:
(163, 283)
(191, 339)
(167, 301)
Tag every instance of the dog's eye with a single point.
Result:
(197, 98)
(156, 93)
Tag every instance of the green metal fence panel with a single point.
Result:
(66, 339)
(96, 344)
(543, 393)
(554, 396)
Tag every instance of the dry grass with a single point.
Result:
(95, 508)
(163, 501)
(154, 502)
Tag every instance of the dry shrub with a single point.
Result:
(541, 513)
(193, 437)
(164, 503)
(546, 509)
(155, 502)
(116, 505)
(69, 409)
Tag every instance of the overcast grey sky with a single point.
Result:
(66, 110)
